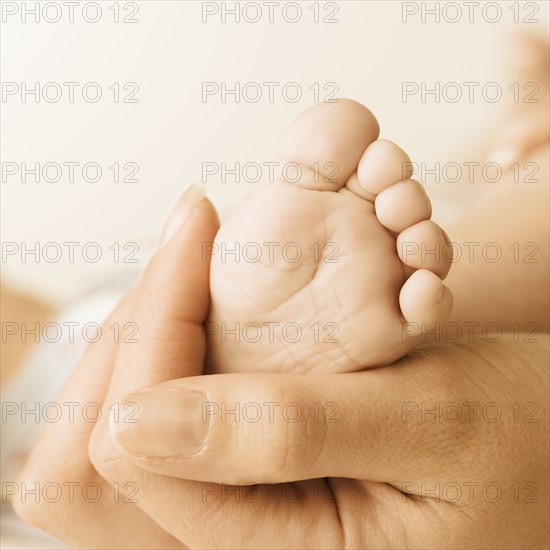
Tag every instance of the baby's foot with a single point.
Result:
(320, 275)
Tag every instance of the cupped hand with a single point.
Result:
(446, 448)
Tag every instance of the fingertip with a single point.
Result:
(192, 202)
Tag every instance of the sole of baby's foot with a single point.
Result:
(330, 263)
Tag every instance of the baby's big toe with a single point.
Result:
(322, 147)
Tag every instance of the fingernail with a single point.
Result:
(180, 213)
(160, 423)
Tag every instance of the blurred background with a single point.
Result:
(110, 170)
(170, 130)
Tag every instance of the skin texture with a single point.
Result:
(180, 502)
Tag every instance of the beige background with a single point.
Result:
(171, 132)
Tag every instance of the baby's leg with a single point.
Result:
(513, 290)
(512, 213)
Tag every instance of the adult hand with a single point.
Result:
(447, 448)
(380, 474)
(91, 512)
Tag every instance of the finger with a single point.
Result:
(169, 307)
(350, 427)
(371, 441)
(260, 428)
(171, 302)
(60, 461)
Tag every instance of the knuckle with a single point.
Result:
(294, 440)
(30, 494)
(31, 512)
(102, 452)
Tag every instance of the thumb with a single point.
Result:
(262, 428)
(168, 307)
